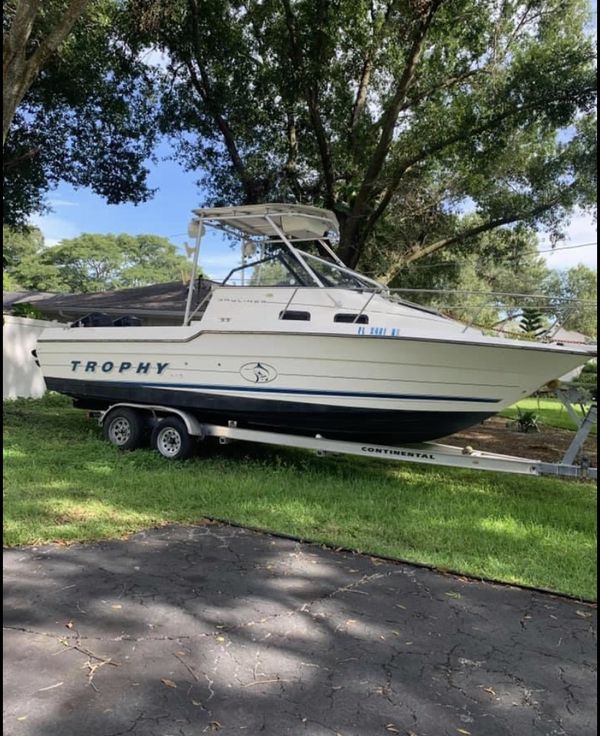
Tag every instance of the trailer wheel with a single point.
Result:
(171, 439)
(124, 428)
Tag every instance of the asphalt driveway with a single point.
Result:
(190, 630)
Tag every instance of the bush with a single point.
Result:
(590, 367)
(589, 383)
(527, 420)
(24, 309)
(587, 380)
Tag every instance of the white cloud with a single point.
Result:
(63, 203)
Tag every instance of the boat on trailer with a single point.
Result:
(293, 341)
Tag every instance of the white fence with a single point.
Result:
(21, 376)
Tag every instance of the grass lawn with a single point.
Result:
(64, 482)
(549, 411)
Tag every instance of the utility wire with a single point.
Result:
(567, 247)
(491, 294)
(510, 257)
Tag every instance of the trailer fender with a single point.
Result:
(193, 426)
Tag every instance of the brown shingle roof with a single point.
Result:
(9, 298)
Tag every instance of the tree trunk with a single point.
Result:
(352, 240)
(20, 69)
(12, 94)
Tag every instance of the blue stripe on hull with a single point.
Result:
(384, 426)
(301, 392)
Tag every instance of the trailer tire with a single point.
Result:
(171, 439)
(124, 428)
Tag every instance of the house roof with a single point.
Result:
(571, 336)
(10, 298)
(164, 299)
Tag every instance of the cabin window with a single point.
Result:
(295, 314)
(358, 319)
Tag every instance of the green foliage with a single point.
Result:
(501, 260)
(527, 420)
(580, 283)
(590, 368)
(532, 322)
(367, 107)
(589, 384)
(87, 119)
(588, 380)
(20, 243)
(269, 274)
(8, 283)
(24, 309)
(93, 262)
(24, 263)
(550, 412)
(99, 262)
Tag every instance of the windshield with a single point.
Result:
(278, 269)
(279, 266)
(332, 275)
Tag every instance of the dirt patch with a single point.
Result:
(493, 435)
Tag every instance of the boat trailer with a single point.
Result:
(170, 427)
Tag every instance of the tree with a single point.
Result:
(20, 244)
(532, 322)
(366, 106)
(34, 34)
(580, 284)
(461, 282)
(88, 115)
(8, 283)
(24, 264)
(93, 262)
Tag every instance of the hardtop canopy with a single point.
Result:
(296, 221)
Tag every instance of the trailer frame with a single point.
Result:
(427, 453)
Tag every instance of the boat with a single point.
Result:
(294, 341)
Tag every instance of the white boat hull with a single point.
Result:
(392, 389)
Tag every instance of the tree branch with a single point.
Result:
(483, 127)
(58, 34)
(18, 34)
(508, 219)
(312, 100)
(412, 101)
(388, 192)
(366, 72)
(19, 70)
(222, 124)
(203, 87)
(388, 123)
(18, 160)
